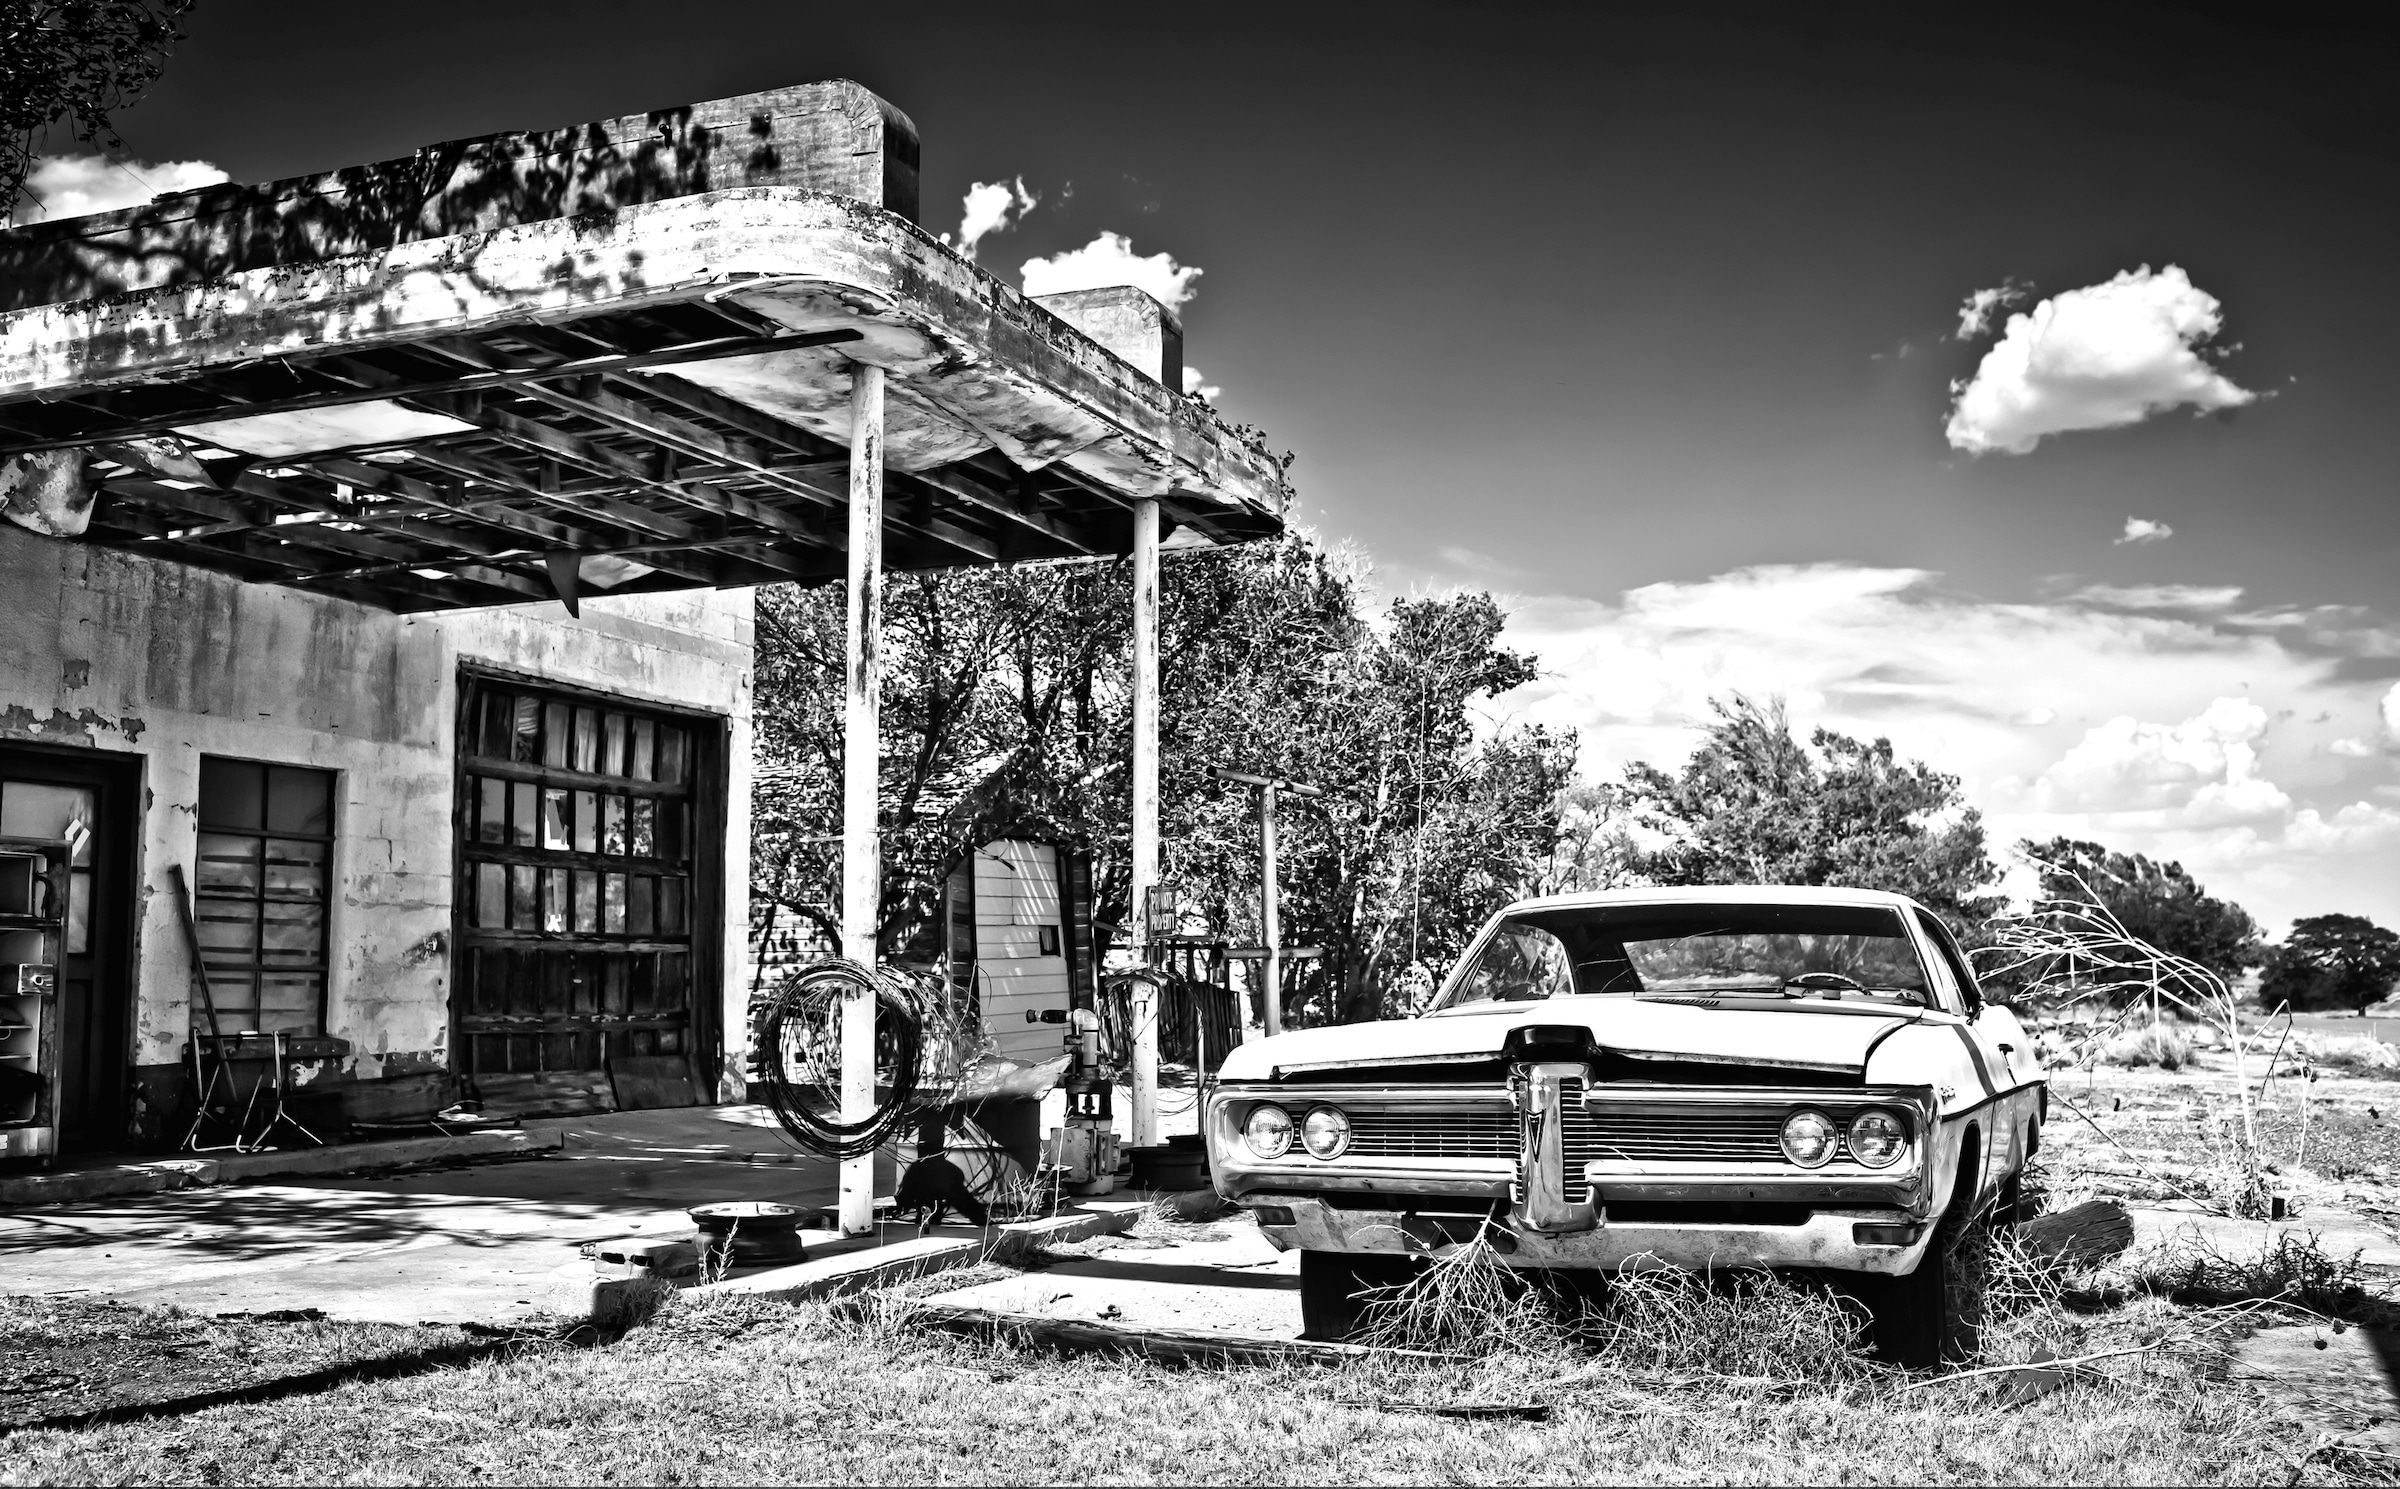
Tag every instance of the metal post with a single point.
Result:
(1143, 994)
(1269, 913)
(862, 847)
(1269, 922)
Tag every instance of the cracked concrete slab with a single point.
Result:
(1226, 1278)
(459, 1245)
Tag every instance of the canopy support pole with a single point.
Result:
(1144, 993)
(862, 848)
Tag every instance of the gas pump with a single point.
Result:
(1085, 1149)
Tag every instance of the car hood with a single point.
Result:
(1795, 1039)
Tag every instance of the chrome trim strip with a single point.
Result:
(1544, 1205)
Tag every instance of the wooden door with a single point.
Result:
(588, 835)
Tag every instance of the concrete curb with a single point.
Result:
(883, 1266)
(122, 1180)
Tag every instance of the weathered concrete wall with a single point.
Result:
(118, 652)
(832, 136)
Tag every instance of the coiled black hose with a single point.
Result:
(1198, 1022)
(797, 1024)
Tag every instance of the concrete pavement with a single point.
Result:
(1223, 1278)
(470, 1244)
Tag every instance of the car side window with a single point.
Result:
(1953, 982)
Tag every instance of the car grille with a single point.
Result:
(1434, 1132)
(1667, 1134)
(1688, 1134)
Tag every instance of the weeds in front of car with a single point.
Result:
(1470, 1335)
(1467, 1303)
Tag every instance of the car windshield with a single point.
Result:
(1824, 952)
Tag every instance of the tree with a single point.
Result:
(79, 61)
(990, 685)
(1755, 806)
(1595, 847)
(2332, 961)
(1432, 818)
(1007, 701)
(2159, 903)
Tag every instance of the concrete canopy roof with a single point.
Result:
(626, 372)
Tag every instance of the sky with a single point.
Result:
(2016, 385)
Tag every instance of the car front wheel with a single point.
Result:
(1337, 1288)
(1934, 1315)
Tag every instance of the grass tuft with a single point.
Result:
(1467, 1302)
(1747, 1326)
(2164, 1044)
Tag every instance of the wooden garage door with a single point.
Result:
(586, 908)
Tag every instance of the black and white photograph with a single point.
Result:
(1304, 744)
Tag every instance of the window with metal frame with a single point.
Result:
(265, 879)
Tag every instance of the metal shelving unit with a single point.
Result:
(34, 889)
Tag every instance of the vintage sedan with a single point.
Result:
(1721, 1077)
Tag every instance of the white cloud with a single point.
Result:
(1975, 316)
(2352, 749)
(1198, 386)
(2391, 715)
(1109, 260)
(2143, 530)
(2202, 772)
(2360, 827)
(992, 207)
(2090, 714)
(2100, 357)
(2216, 597)
(79, 185)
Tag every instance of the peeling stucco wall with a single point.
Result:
(113, 651)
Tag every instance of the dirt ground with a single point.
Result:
(73, 1356)
(2330, 1138)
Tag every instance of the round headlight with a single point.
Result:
(1269, 1131)
(1877, 1139)
(1809, 1138)
(1325, 1132)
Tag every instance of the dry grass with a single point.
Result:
(1467, 1303)
(794, 1393)
(2359, 1054)
(2164, 1044)
(1661, 1376)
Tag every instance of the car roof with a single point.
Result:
(1720, 894)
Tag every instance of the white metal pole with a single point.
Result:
(1269, 920)
(1145, 816)
(862, 847)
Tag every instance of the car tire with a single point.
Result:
(1933, 1316)
(1337, 1287)
(2010, 1207)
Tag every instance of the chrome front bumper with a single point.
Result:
(1551, 1211)
(1829, 1238)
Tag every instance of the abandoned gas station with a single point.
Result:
(378, 589)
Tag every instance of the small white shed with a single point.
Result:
(1018, 938)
